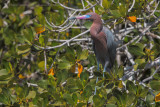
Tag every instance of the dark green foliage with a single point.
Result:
(24, 80)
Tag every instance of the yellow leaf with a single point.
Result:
(120, 85)
(67, 34)
(21, 15)
(80, 69)
(39, 29)
(147, 50)
(21, 76)
(78, 61)
(132, 18)
(157, 97)
(81, 92)
(51, 71)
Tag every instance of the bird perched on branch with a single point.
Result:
(104, 44)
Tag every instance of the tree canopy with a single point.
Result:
(48, 60)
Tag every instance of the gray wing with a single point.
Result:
(111, 45)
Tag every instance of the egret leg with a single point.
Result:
(97, 77)
(105, 67)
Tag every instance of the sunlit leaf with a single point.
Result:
(132, 18)
(80, 69)
(84, 55)
(157, 97)
(51, 71)
(20, 76)
(106, 3)
(39, 29)
(31, 94)
(120, 85)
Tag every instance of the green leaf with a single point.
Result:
(41, 65)
(155, 85)
(64, 65)
(123, 10)
(84, 55)
(115, 13)
(130, 99)
(110, 85)
(136, 50)
(119, 71)
(74, 97)
(41, 40)
(23, 49)
(87, 24)
(98, 101)
(143, 92)
(112, 100)
(150, 98)
(1, 22)
(68, 98)
(5, 76)
(79, 84)
(38, 10)
(131, 87)
(111, 105)
(84, 76)
(87, 92)
(31, 94)
(106, 3)
(3, 72)
(141, 63)
(28, 34)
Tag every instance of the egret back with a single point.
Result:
(111, 45)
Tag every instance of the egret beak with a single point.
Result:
(71, 18)
(80, 17)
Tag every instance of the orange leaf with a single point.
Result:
(67, 34)
(21, 76)
(81, 92)
(51, 71)
(80, 69)
(132, 18)
(157, 97)
(39, 29)
(21, 15)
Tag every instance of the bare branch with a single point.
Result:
(142, 33)
(151, 77)
(80, 10)
(131, 6)
(45, 61)
(48, 48)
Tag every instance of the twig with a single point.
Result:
(76, 40)
(151, 77)
(129, 56)
(31, 84)
(45, 61)
(152, 64)
(142, 33)
(80, 10)
(82, 4)
(131, 6)
(48, 48)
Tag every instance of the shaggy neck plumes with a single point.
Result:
(96, 27)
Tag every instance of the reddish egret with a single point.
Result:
(104, 44)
